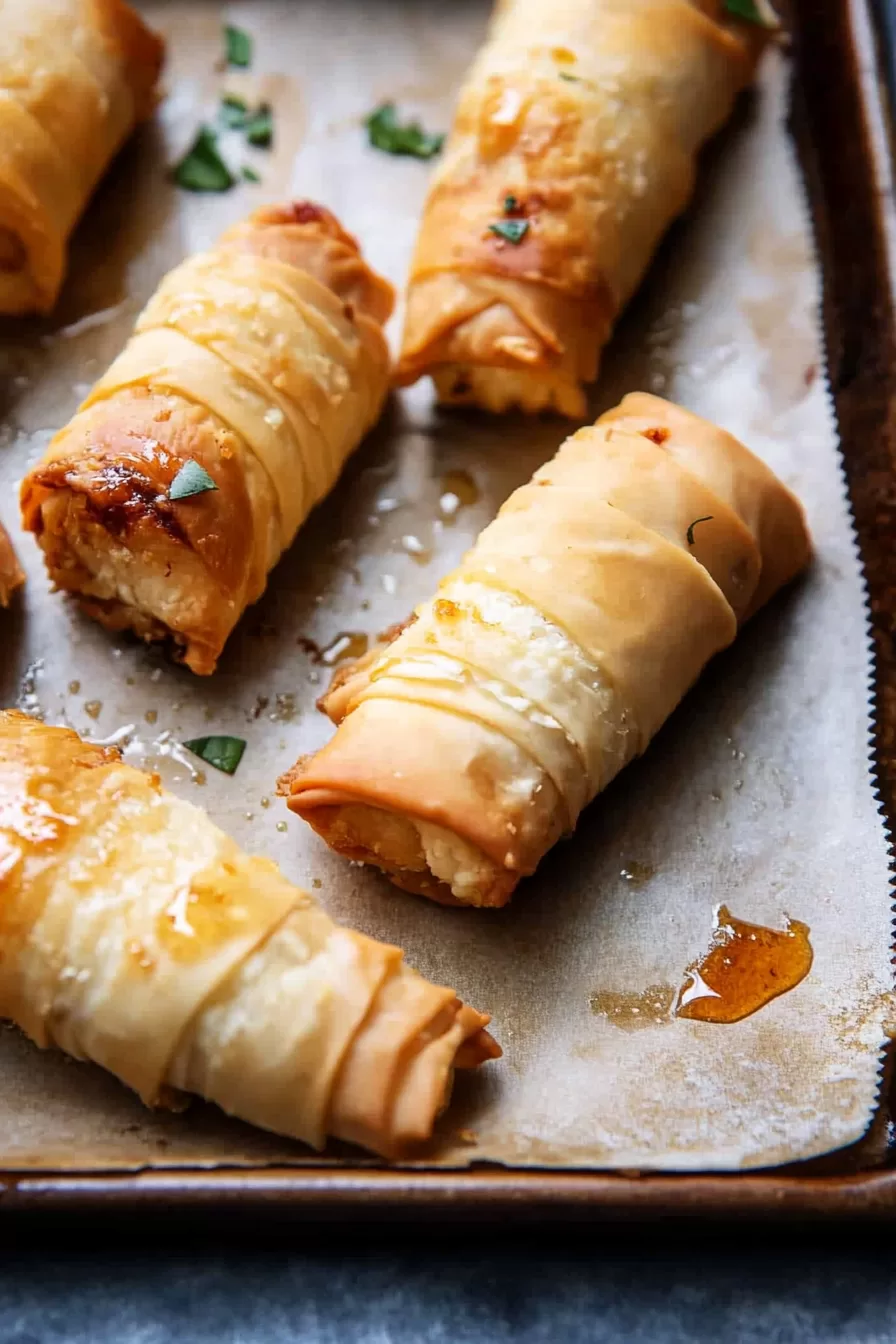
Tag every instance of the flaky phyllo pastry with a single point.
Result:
(136, 934)
(75, 78)
(253, 373)
(11, 576)
(574, 146)
(549, 659)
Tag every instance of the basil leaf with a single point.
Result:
(202, 168)
(748, 10)
(190, 480)
(234, 111)
(385, 132)
(260, 127)
(511, 230)
(238, 45)
(224, 753)
(707, 519)
(249, 174)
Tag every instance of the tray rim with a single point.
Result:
(369, 1196)
(838, 37)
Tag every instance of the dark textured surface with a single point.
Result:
(535, 1293)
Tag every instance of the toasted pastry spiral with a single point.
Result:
(552, 655)
(262, 362)
(574, 146)
(136, 934)
(75, 78)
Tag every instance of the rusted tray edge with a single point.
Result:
(842, 129)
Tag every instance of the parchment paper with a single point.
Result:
(757, 793)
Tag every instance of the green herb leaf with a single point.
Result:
(249, 174)
(202, 168)
(385, 132)
(224, 753)
(510, 204)
(512, 230)
(748, 10)
(238, 45)
(707, 519)
(190, 480)
(570, 79)
(234, 111)
(260, 127)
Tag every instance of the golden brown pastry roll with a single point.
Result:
(11, 576)
(253, 373)
(75, 78)
(135, 934)
(573, 147)
(549, 659)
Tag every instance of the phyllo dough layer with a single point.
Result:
(257, 367)
(75, 78)
(549, 659)
(136, 934)
(574, 146)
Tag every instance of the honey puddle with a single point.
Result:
(458, 491)
(746, 967)
(347, 644)
(637, 873)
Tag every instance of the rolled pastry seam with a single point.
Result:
(75, 78)
(573, 148)
(11, 576)
(550, 658)
(262, 361)
(135, 934)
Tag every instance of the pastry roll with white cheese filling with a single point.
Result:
(135, 934)
(548, 660)
(75, 78)
(253, 373)
(574, 146)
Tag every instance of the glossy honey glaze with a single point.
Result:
(747, 966)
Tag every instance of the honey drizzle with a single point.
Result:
(348, 644)
(457, 491)
(747, 966)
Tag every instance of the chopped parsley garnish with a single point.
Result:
(511, 230)
(224, 753)
(570, 79)
(385, 132)
(238, 46)
(510, 204)
(249, 174)
(259, 127)
(748, 10)
(258, 122)
(234, 111)
(202, 168)
(707, 519)
(190, 480)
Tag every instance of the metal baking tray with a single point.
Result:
(840, 124)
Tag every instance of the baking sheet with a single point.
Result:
(757, 792)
